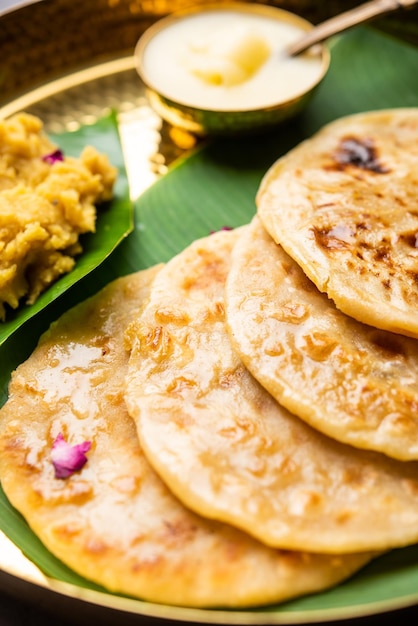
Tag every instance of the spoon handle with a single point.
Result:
(343, 21)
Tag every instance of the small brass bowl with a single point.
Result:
(223, 119)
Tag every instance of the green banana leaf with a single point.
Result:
(215, 187)
(114, 219)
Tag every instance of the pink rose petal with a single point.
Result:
(212, 232)
(57, 155)
(68, 459)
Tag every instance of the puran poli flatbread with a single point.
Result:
(114, 521)
(228, 449)
(351, 381)
(343, 204)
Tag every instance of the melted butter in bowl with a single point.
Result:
(228, 56)
(224, 68)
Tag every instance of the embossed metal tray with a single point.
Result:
(70, 62)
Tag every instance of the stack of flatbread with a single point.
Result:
(251, 407)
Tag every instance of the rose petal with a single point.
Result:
(51, 158)
(222, 228)
(68, 459)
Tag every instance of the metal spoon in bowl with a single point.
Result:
(359, 15)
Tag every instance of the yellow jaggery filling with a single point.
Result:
(44, 208)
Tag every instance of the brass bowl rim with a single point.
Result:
(247, 7)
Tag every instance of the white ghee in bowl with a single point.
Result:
(229, 59)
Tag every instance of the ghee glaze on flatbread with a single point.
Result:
(114, 521)
(228, 449)
(349, 380)
(344, 205)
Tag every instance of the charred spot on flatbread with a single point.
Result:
(359, 152)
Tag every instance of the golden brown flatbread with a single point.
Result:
(343, 205)
(351, 381)
(228, 450)
(113, 520)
